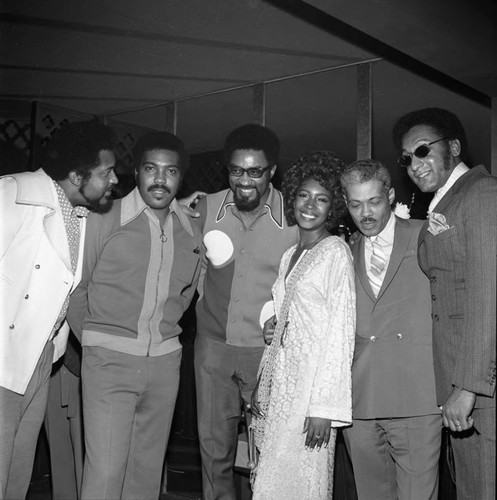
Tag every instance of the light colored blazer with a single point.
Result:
(35, 274)
(461, 263)
(392, 372)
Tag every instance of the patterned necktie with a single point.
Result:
(378, 263)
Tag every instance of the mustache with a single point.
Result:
(159, 186)
(368, 219)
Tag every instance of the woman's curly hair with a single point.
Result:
(325, 168)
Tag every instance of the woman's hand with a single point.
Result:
(318, 432)
(268, 329)
(254, 403)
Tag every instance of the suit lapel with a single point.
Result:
(445, 202)
(422, 234)
(400, 243)
(360, 266)
(55, 231)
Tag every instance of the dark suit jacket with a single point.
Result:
(392, 373)
(461, 263)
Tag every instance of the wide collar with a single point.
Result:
(132, 206)
(36, 188)
(274, 206)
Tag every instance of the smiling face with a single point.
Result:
(311, 208)
(369, 205)
(97, 188)
(250, 193)
(431, 172)
(158, 178)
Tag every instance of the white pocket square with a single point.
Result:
(437, 223)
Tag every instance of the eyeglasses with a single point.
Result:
(253, 172)
(405, 159)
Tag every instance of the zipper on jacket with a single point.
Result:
(163, 239)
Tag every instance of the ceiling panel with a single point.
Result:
(457, 37)
(98, 55)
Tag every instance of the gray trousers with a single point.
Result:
(395, 458)
(64, 428)
(128, 407)
(21, 417)
(224, 375)
(474, 457)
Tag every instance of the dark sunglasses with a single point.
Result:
(405, 159)
(253, 172)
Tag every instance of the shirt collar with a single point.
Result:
(274, 206)
(386, 236)
(459, 171)
(133, 205)
(78, 211)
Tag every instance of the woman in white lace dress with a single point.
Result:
(304, 389)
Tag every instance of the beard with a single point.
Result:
(246, 204)
(96, 206)
(446, 158)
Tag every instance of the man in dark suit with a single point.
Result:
(394, 442)
(457, 251)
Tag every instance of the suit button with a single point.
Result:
(436, 318)
(399, 336)
(26, 296)
(37, 266)
(433, 297)
(11, 327)
(373, 338)
(433, 279)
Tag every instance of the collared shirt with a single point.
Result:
(385, 241)
(459, 171)
(71, 217)
(239, 268)
(138, 278)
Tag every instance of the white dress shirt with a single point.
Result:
(459, 171)
(385, 240)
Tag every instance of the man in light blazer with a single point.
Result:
(394, 442)
(42, 226)
(457, 251)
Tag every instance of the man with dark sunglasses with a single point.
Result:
(244, 234)
(457, 251)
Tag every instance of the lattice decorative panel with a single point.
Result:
(17, 134)
(15, 138)
(206, 173)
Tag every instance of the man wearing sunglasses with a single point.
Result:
(244, 234)
(457, 251)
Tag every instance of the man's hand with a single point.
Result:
(189, 203)
(456, 412)
(318, 432)
(268, 330)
